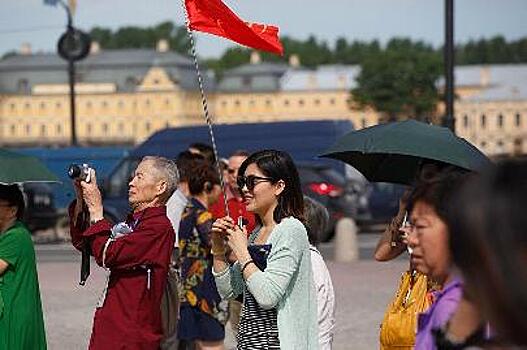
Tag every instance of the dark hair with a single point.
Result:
(278, 165)
(240, 153)
(185, 162)
(316, 219)
(203, 173)
(13, 195)
(205, 150)
(437, 189)
(489, 244)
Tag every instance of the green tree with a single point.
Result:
(399, 82)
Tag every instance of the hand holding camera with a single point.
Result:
(85, 183)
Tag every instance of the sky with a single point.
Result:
(30, 21)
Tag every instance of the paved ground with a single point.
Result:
(362, 290)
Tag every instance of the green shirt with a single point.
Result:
(21, 321)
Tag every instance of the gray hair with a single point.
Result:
(316, 219)
(168, 170)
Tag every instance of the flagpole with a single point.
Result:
(205, 107)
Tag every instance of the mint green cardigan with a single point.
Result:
(286, 284)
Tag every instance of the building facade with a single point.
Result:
(123, 96)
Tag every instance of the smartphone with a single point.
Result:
(241, 222)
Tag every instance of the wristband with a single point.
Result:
(247, 264)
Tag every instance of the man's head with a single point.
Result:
(205, 150)
(235, 160)
(153, 182)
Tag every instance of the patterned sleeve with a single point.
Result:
(204, 225)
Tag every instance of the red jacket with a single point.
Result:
(130, 317)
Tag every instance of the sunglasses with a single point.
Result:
(251, 181)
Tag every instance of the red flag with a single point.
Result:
(214, 17)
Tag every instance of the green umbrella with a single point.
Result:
(393, 152)
(16, 167)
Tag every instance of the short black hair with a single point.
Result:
(13, 195)
(202, 173)
(185, 162)
(205, 150)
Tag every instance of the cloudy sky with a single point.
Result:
(33, 22)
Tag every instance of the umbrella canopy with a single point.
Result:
(394, 152)
(16, 167)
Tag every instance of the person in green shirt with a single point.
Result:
(21, 321)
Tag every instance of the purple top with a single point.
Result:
(446, 301)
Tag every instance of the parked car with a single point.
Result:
(41, 212)
(383, 202)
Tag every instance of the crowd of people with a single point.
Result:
(197, 252)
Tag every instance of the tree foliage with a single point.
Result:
(138, 37)
(399, 81)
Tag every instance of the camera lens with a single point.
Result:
(74, 171)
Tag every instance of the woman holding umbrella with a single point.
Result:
(21, 321)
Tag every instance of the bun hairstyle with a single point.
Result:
(279, 165)
(204, 177)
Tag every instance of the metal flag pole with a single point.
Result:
(205, 107)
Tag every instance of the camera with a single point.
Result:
(80, 171)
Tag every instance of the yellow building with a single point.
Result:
(123, 96)
(491, 111)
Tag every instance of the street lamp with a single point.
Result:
(73, 45)
(448, 119)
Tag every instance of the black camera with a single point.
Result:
(80, 171)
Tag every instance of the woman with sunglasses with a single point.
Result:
(273, 270)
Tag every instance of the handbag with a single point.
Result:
(399, 325)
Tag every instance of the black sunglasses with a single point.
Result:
(251, 181)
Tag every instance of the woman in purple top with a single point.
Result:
(428, 240)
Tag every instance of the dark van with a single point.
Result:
(322, 179)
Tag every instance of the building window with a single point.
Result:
(500, 121)
(42, 130)
(301, 102)
(105, 128)
(167, 102)
(156, 81)
(23, 86)
(88, 104)
(13, 129)
(237, 103)
(104, 104)
(27, 105)
(483, 144)
(28, 129)
(332, 101)
(147, 126)
(465, 121)
(121, 127)
(268, 103)
(286, 102)
(147, 102)
(88, 128)
(251, 103)
(224, 104)
(59, 129)
(58, 105)
(483, 120)
(500, 143)
(167, 125)
(12, 106)
(518, 119)
(120, 104)
(317, 102)
(42, 105)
